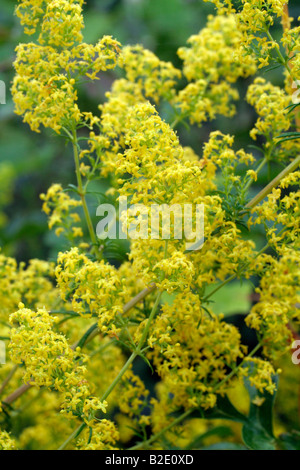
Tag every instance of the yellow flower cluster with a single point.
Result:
(212, 64)
(30, 13)
(197, 355)
(104, 437)
(191, 352)
(33, 284)
(134, 398)
(277, 306)
(254, 19)
(155, 78)
(6, 442)
(255, 14)
(94, 288)
(282, 210)
(258, 15)
(291, 42)
(60, 208)
(260, 373)
(50, 361)
(270, 103)
(201, 102)
(44, 86)
(212, 52)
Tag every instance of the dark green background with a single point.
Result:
(38, 160)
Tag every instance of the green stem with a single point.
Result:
(260, 196)
(280, 56)
(163, 431)
(146, 331)
(119, 376)
(83, 340)
(75, 434)
(124, 369)
(187, 413)
(231, 278)
(81, 191)
(132, 303)
(235, 370)
(262, 164)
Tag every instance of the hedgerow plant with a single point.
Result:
(76, 328)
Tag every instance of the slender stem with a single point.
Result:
(260, 166)
(190, 411)
(235, 370)
(280, 56)
(119, 376)
(262, 194)
(81, 191)
(286, 24)
(93, 332)
(138, 298)
(163, 431)
(86, 337)
(231, 278)
(75, 434)
(124, 369)
(146, 330)
(16, 394)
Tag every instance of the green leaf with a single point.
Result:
(262, 414)
(292, 107)
(285, 136)
(220, 431)
(256, 438)
(225, 446)
(147, 362)
(271, 67)
(71, 187)
(290, 441)
(288, 138)
(258, 432)
(290, 134)
(225, 410)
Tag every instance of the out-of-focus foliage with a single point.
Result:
(30, 163)
(33, 162)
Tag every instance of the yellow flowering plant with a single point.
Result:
(76, 329)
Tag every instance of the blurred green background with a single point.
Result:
(30, 162)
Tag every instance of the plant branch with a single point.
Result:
(163, 431)
(267, 189)
(235, 370)
(124, 369)
(8, 378)
(190, 411)
(81, 193)
(85, 339)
